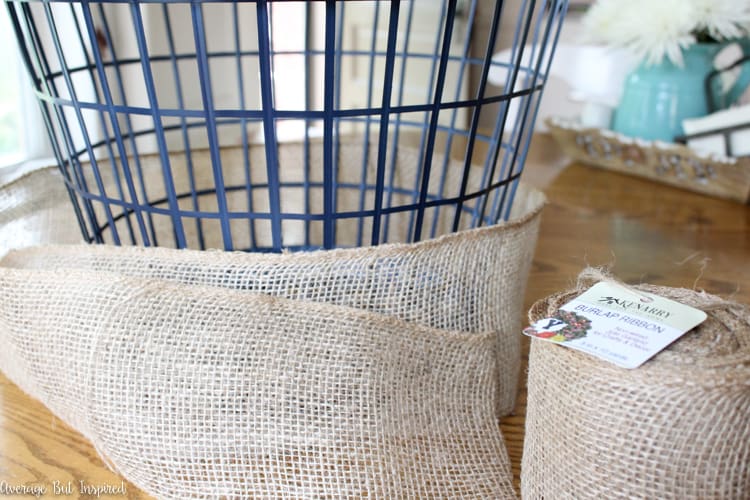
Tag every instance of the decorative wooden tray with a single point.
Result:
(673, 164)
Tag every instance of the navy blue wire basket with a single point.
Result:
(272, 125)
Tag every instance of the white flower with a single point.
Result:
(655, 29)
(723, 19)
(602, 21)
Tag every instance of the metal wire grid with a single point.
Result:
(84, 71)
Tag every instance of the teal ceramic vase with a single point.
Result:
(656, 98)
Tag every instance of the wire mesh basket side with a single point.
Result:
(214, 112)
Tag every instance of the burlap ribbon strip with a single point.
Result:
(678, 427)
(372, 372)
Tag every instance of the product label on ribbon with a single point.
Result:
(612, 322)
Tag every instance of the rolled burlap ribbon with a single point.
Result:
(366, 372)
(678, 427)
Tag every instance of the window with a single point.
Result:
(22, 133)
(11, 138)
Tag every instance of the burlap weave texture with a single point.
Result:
(372, 372)
(676, 428)
(194, 391)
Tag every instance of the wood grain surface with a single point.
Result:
(643, 231)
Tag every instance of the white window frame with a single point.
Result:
(35, 147)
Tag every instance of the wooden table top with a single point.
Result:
(645, 232)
